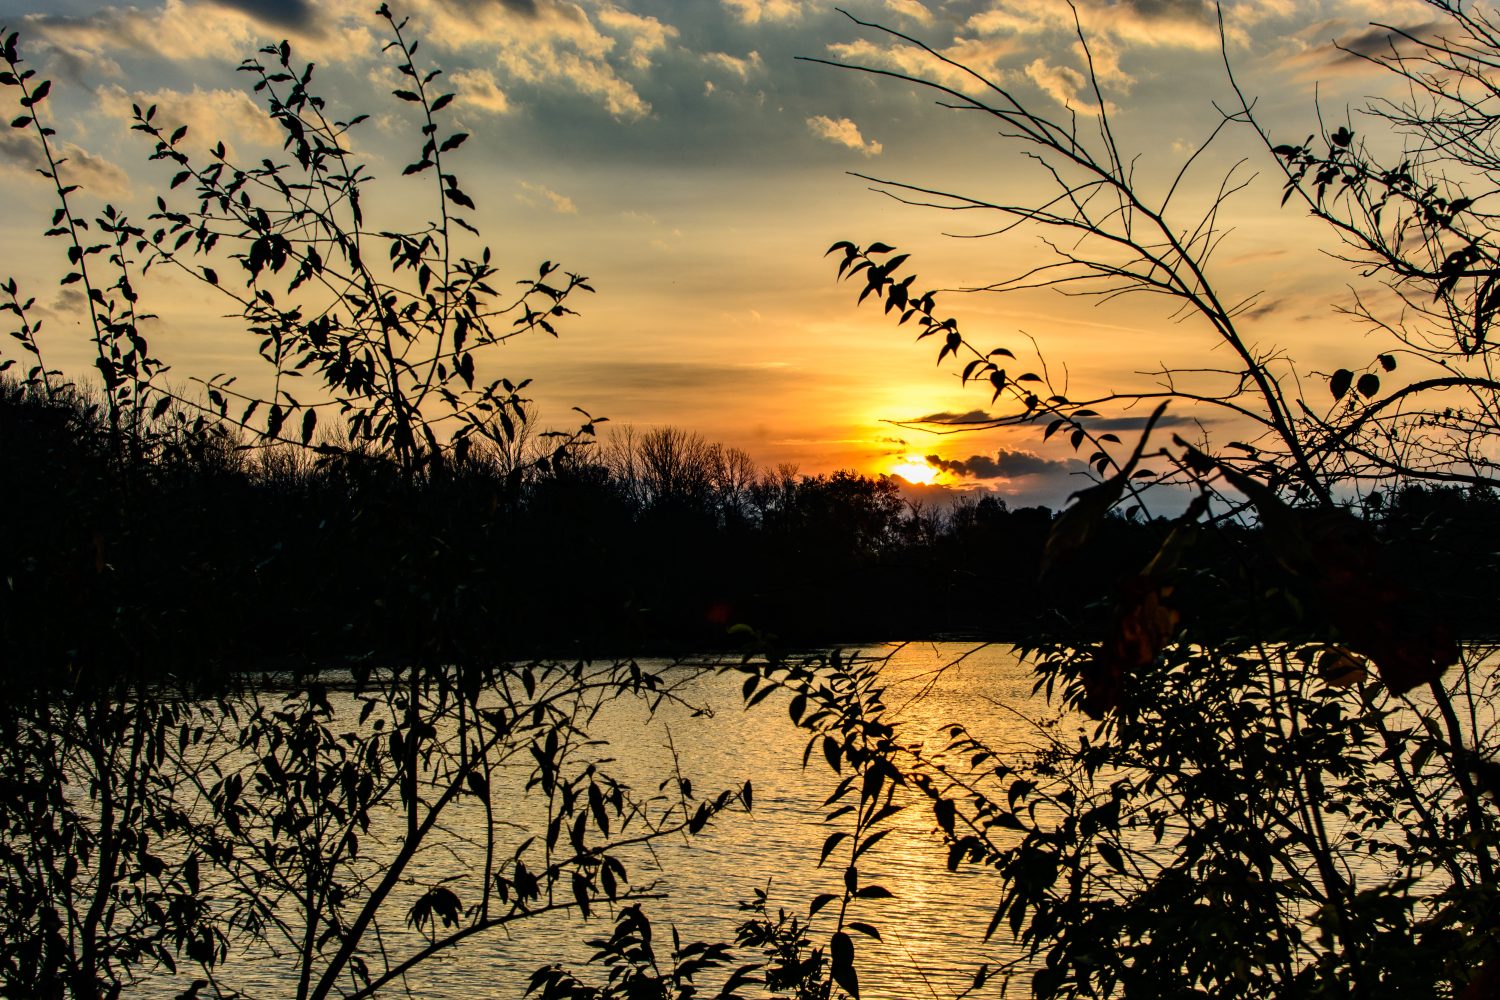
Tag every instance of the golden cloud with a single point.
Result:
(844, 132)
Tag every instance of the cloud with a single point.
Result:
(211, 116)
(537, 194)
(20, 154)
(644, 35)
(735, 65)
(555, 43)
(1094, 423)
(1064, 84)
(670, 382)
(1191, 24)
(756, 11)
(1343, 48)
(1006, 464)
(294, 14)
(913, 9)
(981, 55)
(950, 417)
(223, 31)
(844, 132)
(478, 89)
(1139, 423)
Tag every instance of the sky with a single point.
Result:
(683, 157)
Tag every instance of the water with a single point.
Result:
(932, 930)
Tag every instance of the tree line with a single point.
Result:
(210, 554)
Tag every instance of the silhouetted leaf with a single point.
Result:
(1340, 382)
(841, 964)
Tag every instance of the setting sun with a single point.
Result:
(916, 471)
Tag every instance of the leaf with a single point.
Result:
(1339, 668)
(1340, 382)
(841, 954)
(581, 894)
(946, 812)
(819, 901)
(832, 752)
(1388, 362)
(1368, 384)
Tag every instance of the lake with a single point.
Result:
(932, 930)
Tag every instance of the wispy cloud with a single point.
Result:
(1191, 24)
(478, 89)
(756, 11)
(20, 155)
(556, 43)
(952, 417)
(844, 132)
(740, 67)
(536, 194)
(227, 30)
(293, 14)
(913, 9)
(211, 116)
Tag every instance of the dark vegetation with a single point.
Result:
(1290, 783)
(655, 543)
(580, 558)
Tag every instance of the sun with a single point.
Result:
(915, 471)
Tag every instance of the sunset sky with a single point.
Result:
(680, 155)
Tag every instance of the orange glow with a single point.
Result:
(916, 471)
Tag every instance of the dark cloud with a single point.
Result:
(296, 15)
(1004, 465)
(1169, 8)
(521, 8)
(1377, 42)
(949, 417)
(1267, 309)
(95, 174)
(1138, 423)
(646, 377)
(1096, 423)
(19, 149)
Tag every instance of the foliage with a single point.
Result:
(1252, 812)
(164, 818)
